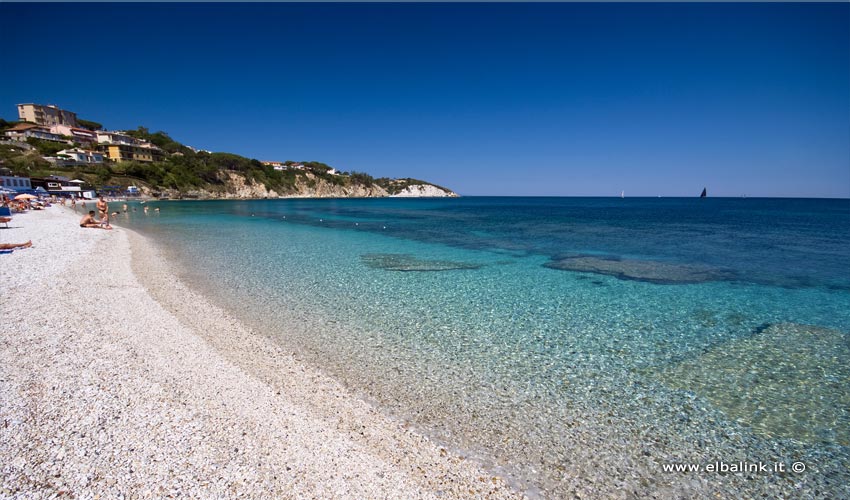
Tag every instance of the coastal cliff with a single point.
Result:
(234, 185)
(423, 190)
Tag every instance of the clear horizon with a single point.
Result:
(485, 99)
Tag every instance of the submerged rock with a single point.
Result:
(640, 270)
(407, 262)
(785, 380)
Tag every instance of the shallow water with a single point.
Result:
(462, 317)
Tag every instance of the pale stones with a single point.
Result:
(786, 380)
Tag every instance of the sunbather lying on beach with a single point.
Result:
(14, 246)
(90, 221)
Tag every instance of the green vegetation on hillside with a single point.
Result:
(47, 148)
(159, 139)
(184, 168)
(395, 186)
(21, 161)
(7, 125)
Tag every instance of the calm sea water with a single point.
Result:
(573, 343)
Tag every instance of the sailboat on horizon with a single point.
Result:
(704, 193)
(622, 194)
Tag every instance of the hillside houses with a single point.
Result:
(121, 147)
(57, 133)
(23, 131)
(50, 123)
(283, 165)
(82, 136)
(84, 148)
(76, 156)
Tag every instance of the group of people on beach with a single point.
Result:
(17, 206)
(20, 205)
(103, 212)
(88, 220)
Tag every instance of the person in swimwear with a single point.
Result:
(14, 246)
(90, 221)
(102, 207)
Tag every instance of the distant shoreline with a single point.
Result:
(461, 196)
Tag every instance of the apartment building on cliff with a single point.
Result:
(46, 116)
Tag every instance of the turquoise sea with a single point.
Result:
(572, 344)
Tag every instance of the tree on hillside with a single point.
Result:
(160, 139)
(362, 178)
(5, 125)
(89, 124)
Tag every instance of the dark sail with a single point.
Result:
(704, 194)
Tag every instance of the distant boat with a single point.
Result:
(622, 194)
(704, 194)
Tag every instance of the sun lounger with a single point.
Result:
(5, 216)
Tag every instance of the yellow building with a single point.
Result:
(47, 116)
(132, 152)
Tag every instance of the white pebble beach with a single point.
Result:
(119, 381)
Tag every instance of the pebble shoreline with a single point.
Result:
(117, 381)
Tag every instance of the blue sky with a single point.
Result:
(488, 99)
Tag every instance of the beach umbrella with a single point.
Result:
(25, 197)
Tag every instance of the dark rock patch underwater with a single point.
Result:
(640, 270)
(406, 263)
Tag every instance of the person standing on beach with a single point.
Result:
(102, 208)
(74, 202)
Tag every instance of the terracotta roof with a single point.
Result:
(23, 126)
